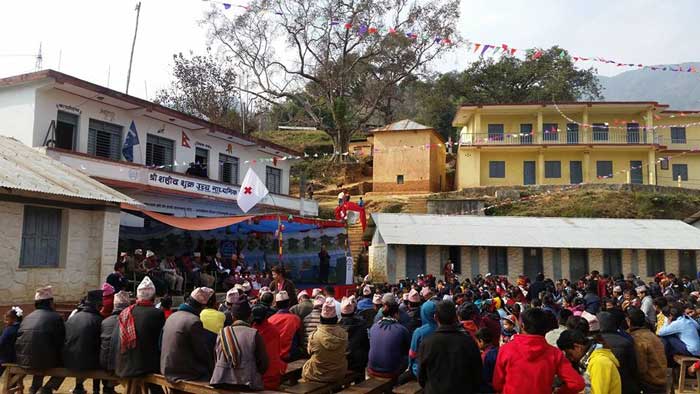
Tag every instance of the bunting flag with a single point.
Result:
(132, 139)
(185, 140)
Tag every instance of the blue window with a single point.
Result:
(604, 168)
(41, 237)
(496, 132)
(600, 132)
(680, 170)
(497, 169)
(551, 132)
(552, 169)
(678, 135)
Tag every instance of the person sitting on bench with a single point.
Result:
(327, 362)
(81, 351)
(241, 357)
(680, 333)
(40, 341)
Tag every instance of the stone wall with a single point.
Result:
(88, 252)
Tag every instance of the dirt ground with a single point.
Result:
(66, 388)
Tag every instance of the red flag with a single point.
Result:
(341, 212)
(476, 47)
(512, 51)
(185, 140)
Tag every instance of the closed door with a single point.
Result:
(636, 172)
(575, 172)
(532, 261)
(415, 260)
(686, 264)
(633, 133)
(612, 262)
(529, 175)
(578, 263)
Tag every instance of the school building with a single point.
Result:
(577, 142)
(405, 245)
(408, 157)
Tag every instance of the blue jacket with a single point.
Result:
(687, 331)
(388, 347)
(488, 366)
(7, 344)
(427, 315)
(364, 304)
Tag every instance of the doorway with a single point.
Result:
(532, 262)
(575, 172)
(529, 174)
(415, 260)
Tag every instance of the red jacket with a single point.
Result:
(271, 336)
(527, 353)
(288, 325)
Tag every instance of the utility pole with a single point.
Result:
(133, 44)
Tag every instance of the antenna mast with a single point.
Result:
(133, 44)
(39, 59)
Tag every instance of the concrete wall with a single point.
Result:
(26, 112)
(17, 113)
(89, 250)
(406, 153)
(475, 261)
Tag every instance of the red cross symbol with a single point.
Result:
(247, 190)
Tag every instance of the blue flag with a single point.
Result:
(132, 138)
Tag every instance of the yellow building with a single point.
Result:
(577, 142)
(361, 147)
(408, 157)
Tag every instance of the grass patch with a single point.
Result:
(309, 141)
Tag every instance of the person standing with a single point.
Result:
(81, 350)
(241, 358)
(489, 355)
(327, 362)
(186, 352)
(138, 330)
(280, 282)
(651, 363)
(271, 337)
(427, 317)
(529, 351)
(449, 358)
(324, 264)
(40, 339)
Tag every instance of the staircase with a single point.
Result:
(416, 205)
(355, 239)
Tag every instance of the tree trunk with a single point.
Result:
(341, 144)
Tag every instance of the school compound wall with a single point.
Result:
(88, 243)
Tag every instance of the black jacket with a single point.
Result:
(145, 357)
(187, 352)
(40, 340)
(623, 349)
(535, 289)
(358, 342)
(450, 362)
(81, 351)
(109, 341)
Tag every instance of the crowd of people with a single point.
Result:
(598, 335)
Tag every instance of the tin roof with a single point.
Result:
(403, 125)
(28, 169)
(583, 233)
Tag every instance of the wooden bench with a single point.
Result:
(293, 373)
(13, 379)
(187, 386)
(323, 388)
(684, 362)
(370, 386)
(412, 387)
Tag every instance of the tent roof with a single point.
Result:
(408, 229)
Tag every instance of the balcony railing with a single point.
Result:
(632, 137)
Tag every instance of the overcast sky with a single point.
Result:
(91, 39)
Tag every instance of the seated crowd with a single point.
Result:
(486, 335)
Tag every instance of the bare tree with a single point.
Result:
(336, 59)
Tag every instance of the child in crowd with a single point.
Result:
(489, 354)
(508, 330)
(13, 318)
